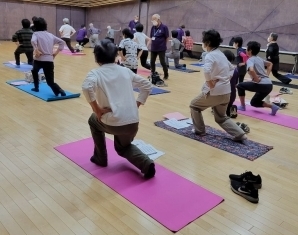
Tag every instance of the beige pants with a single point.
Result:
(219, 104)
(123, 136)
(93, 40)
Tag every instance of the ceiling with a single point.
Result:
(80, 3)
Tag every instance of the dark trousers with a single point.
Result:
(48, 69)
(29, 56)
(281, 77)
(111, 39)
(232, 100)
(68, 44)
(123, 136)
(143, 59)
(189, 53)
(262, 90)
(162, 59)
(241, 78)
(83, 42)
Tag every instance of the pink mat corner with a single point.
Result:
(168, 198)
(264, 114)
(67, 52)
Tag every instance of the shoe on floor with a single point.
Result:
(242, 108)
(245, 190)
(197, 133)
(249, 177)
(233, 111)
(95, 161)
(285, 90)
(35, 89)
(240, 138)
(151, 171)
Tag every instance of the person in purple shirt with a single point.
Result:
(82, 36)
(159, 38)
(43, 43)
(132, 24)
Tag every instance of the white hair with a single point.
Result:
(109, 27)
(91, 24)
(157, 16)
(66, 21)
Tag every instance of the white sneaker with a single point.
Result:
(285, 90)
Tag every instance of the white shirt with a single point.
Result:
(140, 39)
(66, 30)
(216, 67)
(112, 86)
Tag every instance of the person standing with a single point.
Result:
(109, 91)
(66, 32)
(43, 43)
(159, 35)
(132, 24)
(216, 90)
(142, 39)
(111, 33)
(93, 35)
(180, 37)
(272, 55)
(82, 36)
(22, 38)
(241, 58)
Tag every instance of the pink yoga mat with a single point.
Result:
(264, 114)
(168, 198)
(67, 52)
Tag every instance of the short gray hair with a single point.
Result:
(157, 16)
(66, 21)
(274, 36)
(91, 24)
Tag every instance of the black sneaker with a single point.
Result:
(249, 177)
(244, 127)
(245, 190)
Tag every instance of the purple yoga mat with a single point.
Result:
(168, 198)
(264, 114)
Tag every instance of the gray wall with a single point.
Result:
(251, 19)
(12, 12)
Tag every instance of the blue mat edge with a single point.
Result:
(180, 70)
(197, 64)
(75, 95)
(161, 91)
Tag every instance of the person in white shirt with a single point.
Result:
(66, 32)
(109, 91)
(142, 39)
(216, 90)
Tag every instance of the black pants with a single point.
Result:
(281, 77)
(262, 90)
(68, 44)
(48, 69)
(190, 54)
(143, 59)
(241, 78)
(29, 56)
(162, 59)
(83, 42)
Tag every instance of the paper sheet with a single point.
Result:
(175, 115)
(176, 124)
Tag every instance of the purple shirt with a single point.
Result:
(81, 34)
(180, 34)
(159, 37)
(44, 42)
(132, 25)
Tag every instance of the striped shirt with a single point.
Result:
(23, 36)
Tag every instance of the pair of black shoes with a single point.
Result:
(62, 92)
(246, 185)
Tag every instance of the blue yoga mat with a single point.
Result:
(45, 92)
(23, 67)
(198, 64)
(155, 91)
(180, 70)
(291, 76)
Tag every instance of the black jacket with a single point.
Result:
(272, 55)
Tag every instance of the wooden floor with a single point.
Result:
(42, 192)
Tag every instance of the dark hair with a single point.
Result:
(83, 25)
(212, 38)
(274, 36)
(40, 24)
(183, 26)
(127, 34)
(139, 27)
(239, 41)
(254, 47)
(105, 52)
(230, 55)
(187, 33)
(26, 23)
(34, 18)
(174, 33)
